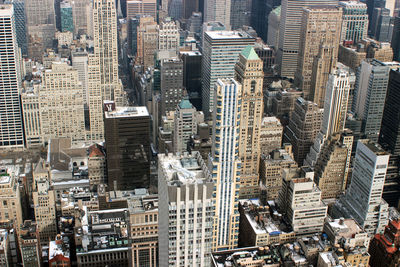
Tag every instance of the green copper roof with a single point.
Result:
(249, 53)
(185, 104)
(277, 11)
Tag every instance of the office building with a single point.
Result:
(300, 202)
(272, 168)
(304, 125)
(260, 12)
(80, 63)
(190, 6)
(96, 247)
(225, 163)
(221, 51)
(20, 24)
(355, 21)
(370, 94)
(274, 19)
(248, 72)
(240, 13)
(127, 133)
(271, 134)
(61, 104)
(97, 165)
(172, 90)
(168, 36)
(106, 48)
(395, 42)
(185, 123)
(67, 23)
(389, 136)
(320, 31)
(29, 246)
(332, 165)
(335, 111)
(384, 246)
(363, 200)
(144, 219)
(31, 113)
(290, 33)
(262, 225)
(11, 130)
(10, 206)
(44, 203)
(192, 77)
(147, 40)
(185, 210)
(218, 10)
(382, 25)
(82, 17)
(103, 80)
(40, 26)
(141, 7)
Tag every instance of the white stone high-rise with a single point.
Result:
(335, 111)
(363, 200)
(289, 32)
(11, 130)
(218, 10)
(185, 210)
(224, 163)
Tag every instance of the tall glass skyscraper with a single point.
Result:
(11, 131)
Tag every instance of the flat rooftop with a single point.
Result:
(122, 112)
(228, 35)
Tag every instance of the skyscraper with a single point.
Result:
(185, 125)
(81, 15)
(221, 50)
(40, 26)
(225, 163)
(389, 136)
(62, 104)
(172, 90)
(20, 24)
(249, 73)
(190, 6)
(289, 33)
(141, 7)
(240, 13)
(67, 23)
(370, 94)
(355, 21)
(304, 125)
(319, 44)
(103, 79)
(363, 200)
(11, 131)
(127, 136)
(185, 210)
(106, 48)
(218, 10)
(335, 112)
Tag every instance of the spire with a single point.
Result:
(249, 53)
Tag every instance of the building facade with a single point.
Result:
(225, 163)
(185, 210)
(221, 50)
(11, 125)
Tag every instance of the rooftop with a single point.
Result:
(184, 168)
(249, 53)
(121, 112)
(228, 35)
